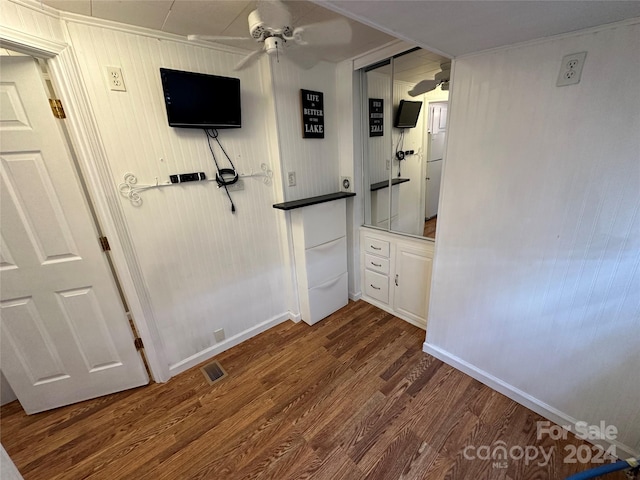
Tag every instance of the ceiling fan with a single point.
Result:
(270, 24)
(441, 78)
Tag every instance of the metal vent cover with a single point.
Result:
(213, 372)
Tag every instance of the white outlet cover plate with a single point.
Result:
(115, 79)
(569, 73)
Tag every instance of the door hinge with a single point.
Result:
(104, 243)
(57, 108)
(138, 343)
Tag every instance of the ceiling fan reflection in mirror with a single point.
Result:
(441, 78)
(270, 24)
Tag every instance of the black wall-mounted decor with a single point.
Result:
(376, 117)
(312, 114)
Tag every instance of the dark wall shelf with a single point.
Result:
(385, 184)
(305, 202)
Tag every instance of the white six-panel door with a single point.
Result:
(64, 334)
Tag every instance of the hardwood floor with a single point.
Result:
(353, 397)
(430, 228)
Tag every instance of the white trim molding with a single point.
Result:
(210, 352)
(517, 395)
(29, 44)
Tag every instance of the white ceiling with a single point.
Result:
(218, 17)
(448, 27)
(460, 27)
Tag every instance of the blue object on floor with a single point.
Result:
(604, 469)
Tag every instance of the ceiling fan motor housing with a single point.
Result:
(272, 45)
(256, 25)
(260, 31)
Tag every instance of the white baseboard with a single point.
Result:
(295, 317)
(517, 395)
(214, 350)
(355, 296)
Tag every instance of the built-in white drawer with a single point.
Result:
(378, 264)
(326, 261)
(326, 299)
(320, 223)
(376, 286)
(379, 247)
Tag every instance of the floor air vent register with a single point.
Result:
(213, 372)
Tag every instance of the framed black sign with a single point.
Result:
(376, 117)
(312, 114)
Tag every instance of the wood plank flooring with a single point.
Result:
(352, 397)
(430, 228)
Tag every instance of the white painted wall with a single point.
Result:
(350, 164)
(379, 148)
(7, 394)
(8, 470)
(536, 280)
(314, 160)
(410, 211)
(205, 268)
(32, 19)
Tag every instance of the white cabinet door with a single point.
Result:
(65, 335)
(411, 282)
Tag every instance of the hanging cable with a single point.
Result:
(399, 151)
(224, 176)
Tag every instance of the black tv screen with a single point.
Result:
(407, 114)
(197, 100)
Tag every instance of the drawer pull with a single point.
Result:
(376, 264)
(374, 287)
(397, 280)
(375, 248)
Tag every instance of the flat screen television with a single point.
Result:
(407, 114)
(197, 100)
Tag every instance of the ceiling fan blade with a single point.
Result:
(248, 60)
(423, 87)
(217, 38)
(273, 13)
(331, 32)
(302, 57)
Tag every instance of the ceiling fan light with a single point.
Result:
(272, 45)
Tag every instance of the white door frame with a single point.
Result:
(87, 143)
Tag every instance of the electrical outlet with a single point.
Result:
(571, 69)
(115, 79)
(219, 334)
(345, 184)
(239, 185)
(291, 177)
